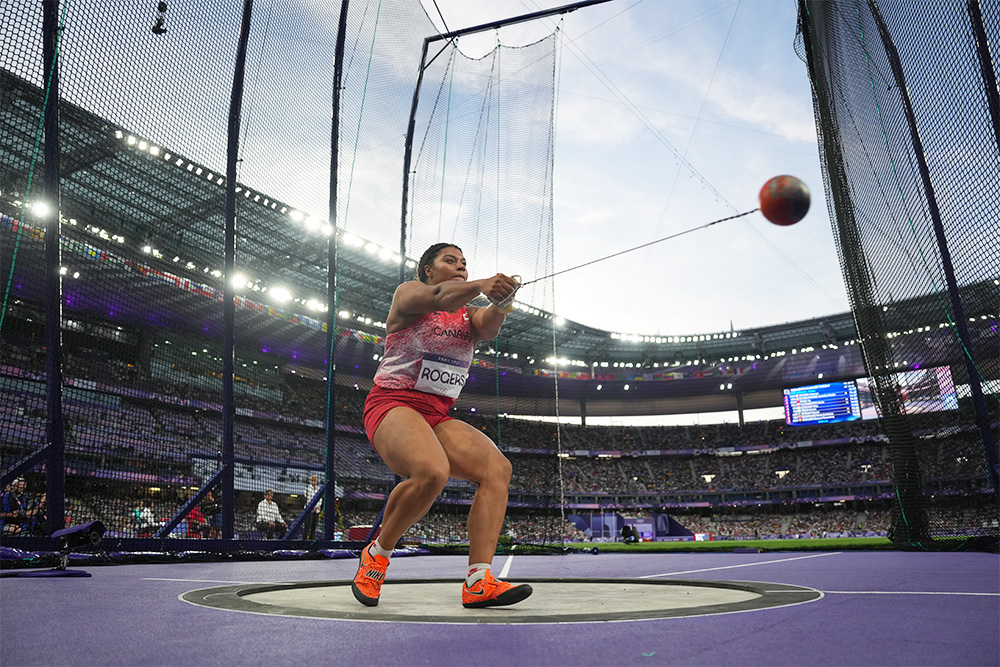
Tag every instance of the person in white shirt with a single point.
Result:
(145, 521)
(269, 520)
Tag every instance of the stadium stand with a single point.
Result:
(789, 475)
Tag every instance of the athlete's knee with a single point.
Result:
(499, 468)
(431, 478)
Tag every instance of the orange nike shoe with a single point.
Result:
(368, 580)
(490, 592)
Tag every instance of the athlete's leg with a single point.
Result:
(410, 448)
(474, 457)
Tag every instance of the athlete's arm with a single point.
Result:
(415, 299)
(486, 322)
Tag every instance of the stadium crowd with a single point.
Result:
(139, 430)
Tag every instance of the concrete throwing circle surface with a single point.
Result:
(553, 600)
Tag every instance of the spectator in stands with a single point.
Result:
(197, 524)
(14, 511)
(37, 523)
(212, 511)
(430, 338)
(144, 519)
(313, 518)
(269, 520)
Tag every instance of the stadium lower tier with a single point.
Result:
(155, 443)
(125, 446)
(446, 524)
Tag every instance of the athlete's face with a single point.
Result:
(448, 265)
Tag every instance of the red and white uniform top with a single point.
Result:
(431, 355)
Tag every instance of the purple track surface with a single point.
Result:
(879, 608)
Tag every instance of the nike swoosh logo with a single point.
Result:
(472, 592)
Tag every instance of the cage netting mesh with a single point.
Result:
(133, 396)
(906, 106)
(141, 148)
(143, 131)
(480, 177)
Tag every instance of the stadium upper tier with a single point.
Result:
(154, 220)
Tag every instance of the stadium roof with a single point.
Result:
(143, 201)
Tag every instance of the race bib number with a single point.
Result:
(440, 375)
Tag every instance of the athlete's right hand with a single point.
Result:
(499, 287)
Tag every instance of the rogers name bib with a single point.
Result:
(441, 375)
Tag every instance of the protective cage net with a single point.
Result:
(480, 177)
(143, 136)
(906, 103)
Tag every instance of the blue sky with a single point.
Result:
(645, 89)
(670, 114)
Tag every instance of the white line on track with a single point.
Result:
(729, 567)
(506, 567)
(909, 593)
(208, 581)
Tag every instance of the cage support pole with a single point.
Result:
(910, 514)
(329, 489)
(410, 128)
(411, 125)
(961, 323)
(229, 290)
(55, 474)
(986, 65)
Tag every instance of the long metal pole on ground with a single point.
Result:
(229, 290)
(55, 474)
(330, 488)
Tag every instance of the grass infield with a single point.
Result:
(814, 544)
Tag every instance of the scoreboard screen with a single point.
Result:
(822, 404)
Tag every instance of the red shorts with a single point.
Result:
(434, 409)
